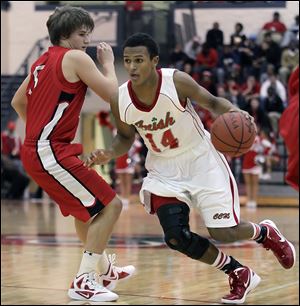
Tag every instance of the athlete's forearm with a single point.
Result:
(221, 106)
(121, 145)
(109, 72)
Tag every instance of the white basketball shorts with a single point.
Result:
(201, 178)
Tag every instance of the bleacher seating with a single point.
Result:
(9, 85)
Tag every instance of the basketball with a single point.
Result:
(233, 134)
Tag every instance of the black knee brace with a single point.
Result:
(174, 219)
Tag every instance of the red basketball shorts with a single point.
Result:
(55, 167)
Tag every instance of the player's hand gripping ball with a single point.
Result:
(233, 133)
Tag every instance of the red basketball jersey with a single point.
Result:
(54, 104)
(53, 109)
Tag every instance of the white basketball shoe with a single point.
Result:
(88, 287)
(115, 274)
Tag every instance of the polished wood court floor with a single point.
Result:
(40, 255)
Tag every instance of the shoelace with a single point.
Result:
(94, 280)
(112, 258)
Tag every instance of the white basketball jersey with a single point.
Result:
(167, 127)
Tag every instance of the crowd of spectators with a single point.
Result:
(250, 71)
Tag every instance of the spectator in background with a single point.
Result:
(259, 62)
(292, 33)
(252, 165)
(233, 89)
(178, 57)
(221, 92)
(279, 88)
(289, 61)
(246, 58)
(12, 170)
(255, 109)
(276, 27)
(274, 108)
(215, 37)
(225, 64)
(134, 16)
(237, 37)
(207, 81)
(270, 71)
(192, 48)
(250, 89)
(275, 24)
(271, 51)
(207, 60)
(11, 142)
(190, 70)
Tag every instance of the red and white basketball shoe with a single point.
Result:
(115, 274)
(242, 281)
(279, 245)
(86, 287)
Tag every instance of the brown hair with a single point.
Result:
(66, 20)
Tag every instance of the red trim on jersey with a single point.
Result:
(232, 192)
(140, 105)
(158, 201)
(183, 103)
(232, 195)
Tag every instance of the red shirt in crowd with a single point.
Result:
(275, 25)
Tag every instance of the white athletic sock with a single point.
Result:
(256, 230)
(89, 262)
(103, 263)
(221, 260)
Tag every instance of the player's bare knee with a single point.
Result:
(227, 234)
(115, 206)
(174, 219)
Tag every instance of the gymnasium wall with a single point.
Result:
(22, 26)
(252, 19)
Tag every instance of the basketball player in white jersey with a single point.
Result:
(184, 168)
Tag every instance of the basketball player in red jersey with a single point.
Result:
(49, 101)
(184, 168)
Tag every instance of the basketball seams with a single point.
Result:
(231, 134)
(241, 139)
(228, 144)
(229, 129)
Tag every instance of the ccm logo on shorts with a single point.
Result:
(221, 216)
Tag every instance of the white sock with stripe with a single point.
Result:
(256, 231)
(226, 263)
(221, 260)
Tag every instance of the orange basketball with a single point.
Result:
(233, 134)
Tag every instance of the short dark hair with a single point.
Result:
(143, 39)
(66, 20)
